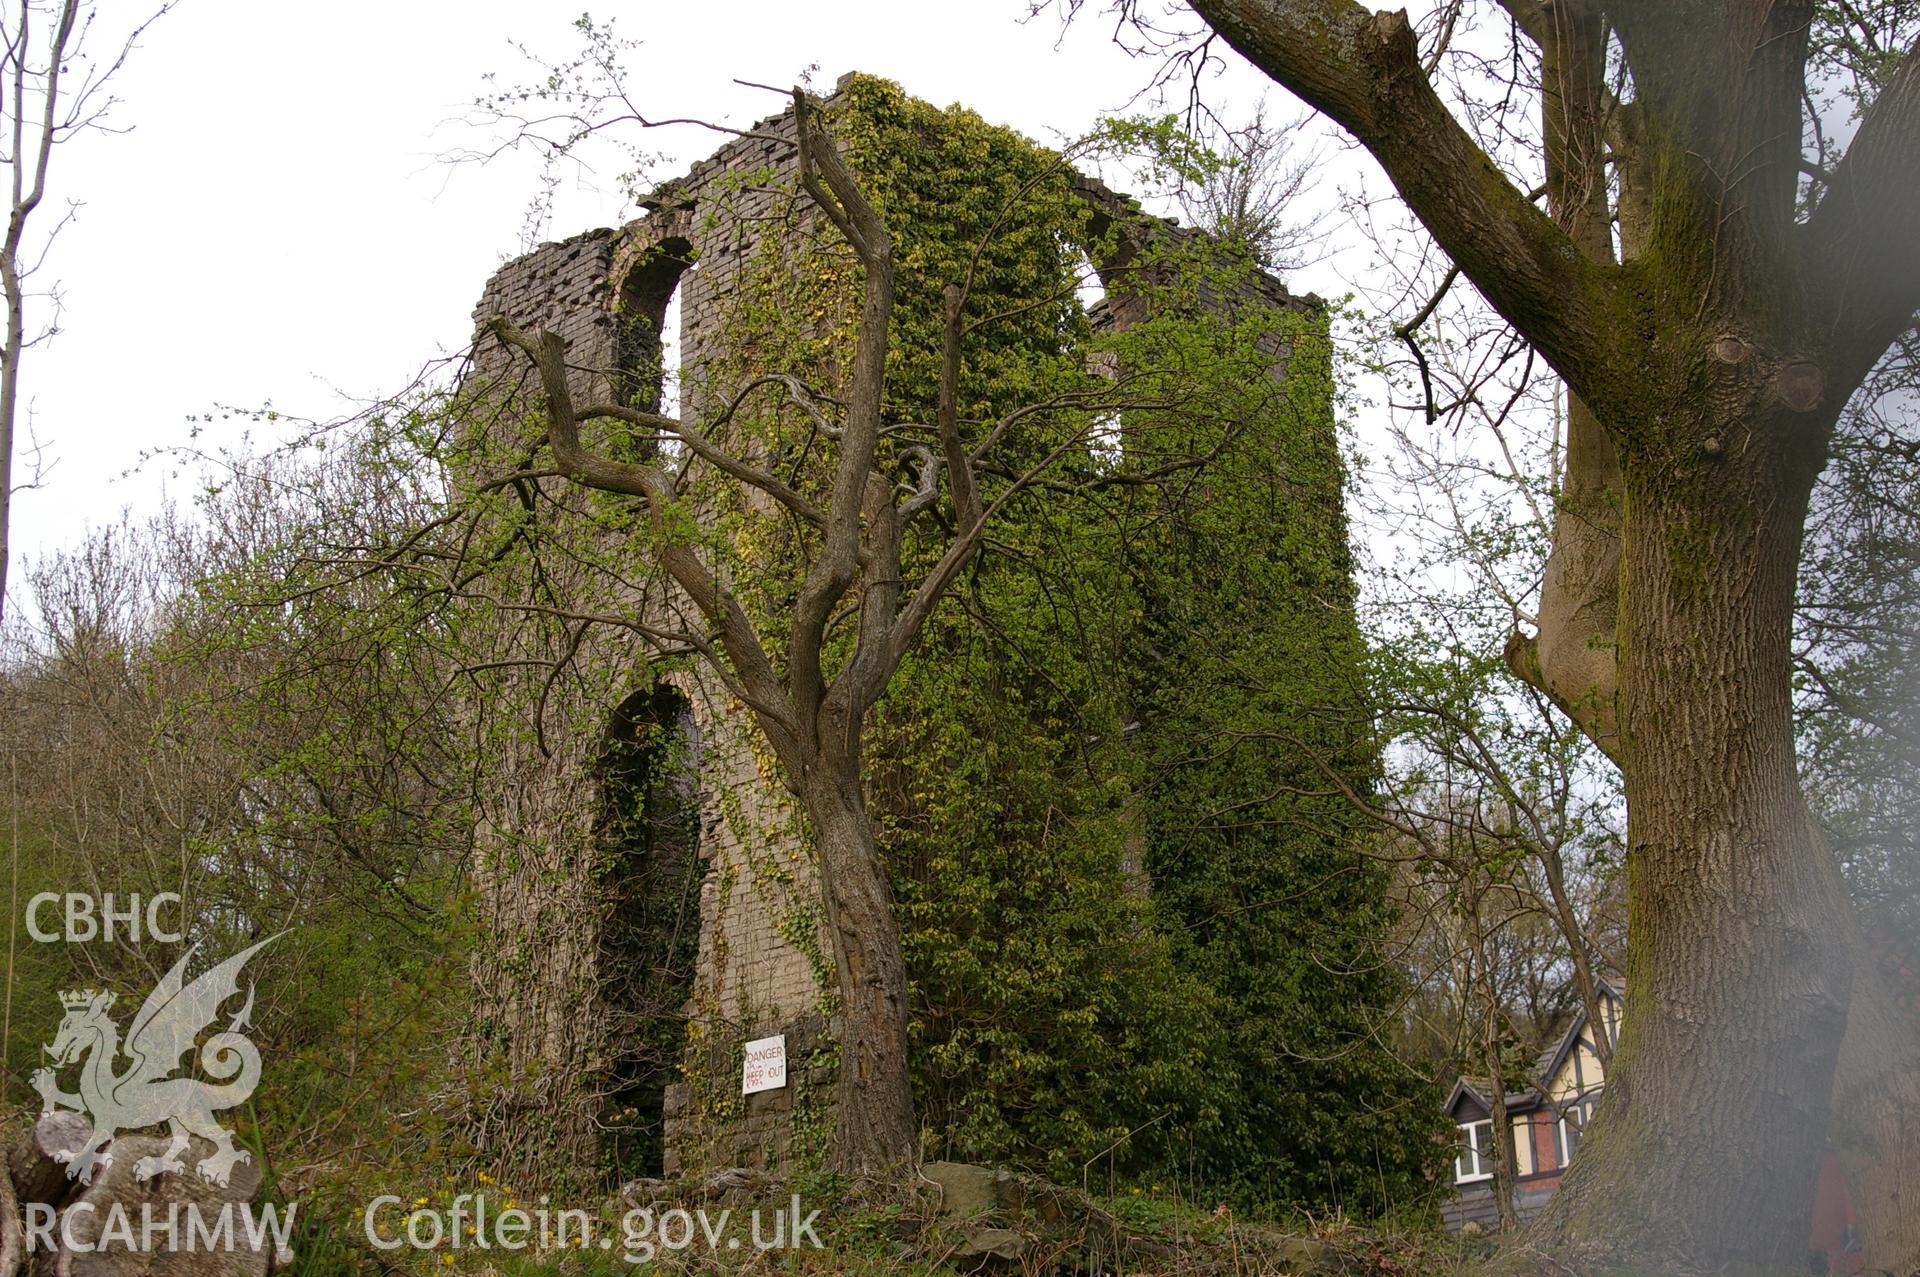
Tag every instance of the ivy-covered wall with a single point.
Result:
(1142, 933)
(573, 972)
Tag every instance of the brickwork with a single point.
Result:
(607, 292)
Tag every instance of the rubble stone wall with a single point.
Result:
(607, 292)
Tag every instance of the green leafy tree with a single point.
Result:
(1708, 348)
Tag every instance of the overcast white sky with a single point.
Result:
(279, 224)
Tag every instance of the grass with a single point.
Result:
(1134, 1232)
(1165, 1238)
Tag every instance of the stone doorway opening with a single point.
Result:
(650, 856)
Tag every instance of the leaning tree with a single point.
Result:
(1712, 275)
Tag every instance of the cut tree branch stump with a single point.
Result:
(37, 1166)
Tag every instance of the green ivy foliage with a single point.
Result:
(1142, 935)
(1141, 931)
(1246, 681)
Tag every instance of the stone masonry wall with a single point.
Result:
(606, 292)
(754, 976)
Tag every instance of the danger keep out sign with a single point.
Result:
(766, 1065)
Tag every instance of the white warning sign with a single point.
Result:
(766, 1065)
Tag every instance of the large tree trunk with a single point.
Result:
(1708, 1143)
(874, 1133)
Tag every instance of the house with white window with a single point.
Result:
(1546, 1118)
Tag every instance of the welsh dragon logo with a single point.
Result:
(145, 1092)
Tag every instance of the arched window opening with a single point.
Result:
(1104, 440)
(647, 340)
(1091, 288)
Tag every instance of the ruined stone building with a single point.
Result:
(601, 926)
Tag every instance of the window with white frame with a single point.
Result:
(1474, 1161)
(1572, 1124)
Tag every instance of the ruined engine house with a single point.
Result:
(643, 875)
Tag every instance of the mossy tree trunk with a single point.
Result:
(874, 1118)
(1706, 371)
(1738, 972)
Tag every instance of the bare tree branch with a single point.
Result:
(1871, 293)
(1363, 70)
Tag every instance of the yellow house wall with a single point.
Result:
(1582, 1071)
(1522, 1146)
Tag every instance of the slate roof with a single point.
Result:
(1546, 1064)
